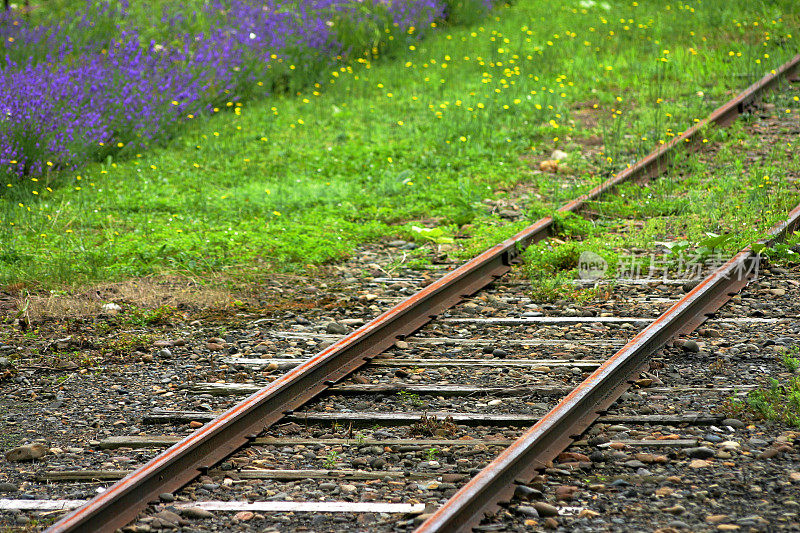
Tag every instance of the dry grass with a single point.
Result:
(144, 293)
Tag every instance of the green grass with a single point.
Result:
(705, 208)
(780, 401)
(420, 137)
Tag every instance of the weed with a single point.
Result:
(125, 342)
(778, 402)
(331, 459)
(413, 399)
(430, 426)
(790, 359)
(431, 454)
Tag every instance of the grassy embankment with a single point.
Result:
(382, 144)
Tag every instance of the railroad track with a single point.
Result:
(439, 426)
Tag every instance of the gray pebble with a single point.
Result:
(700, 452)
(733, 422)
(690, 346)
(8, 487)
(335, 328)
(196, 512)
(545, 509)
(527, 510)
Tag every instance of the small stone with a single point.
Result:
(348, 489)
(678, 525)
(327, 486)
(675, 509)
(795, 477)
(493, 403)
(716, 518)
(335, 328)
(664, 491)
(111, 308)
(28, 452)
(166, 497)
(214, 347)
(165, 353)
(524, 492)
(773, 451)
(699, 463)
(565, 492)
(700, 452)
(728, 527)
(8, 487)
(572, 457)
(499, 353)
(588, 513)
(429, 485)
(545, 509)
(21, 519)
(378, 463)
(550, 523)
(734, 423)
(196, 512)
(169, 518)
(194, 424)
(401, 345)
(777, 292)
(244, 516)
(690, 285)
(559, 155)
(527, 510)
(549, 165)
(690, 346)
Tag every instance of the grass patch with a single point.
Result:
(708, 206)
(780, 401)
(418, 138)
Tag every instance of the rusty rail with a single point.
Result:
(215, 441)
(577, 411)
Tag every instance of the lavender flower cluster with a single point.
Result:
(92, 85)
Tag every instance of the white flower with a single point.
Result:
(252, 35)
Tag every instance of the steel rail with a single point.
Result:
(215, 441)
(552, 434)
